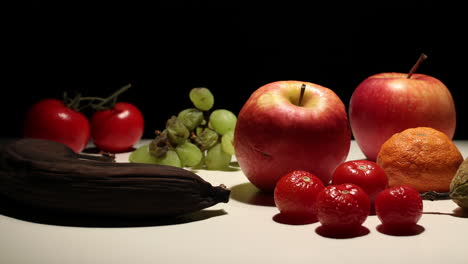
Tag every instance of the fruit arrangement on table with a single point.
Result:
(292, 138)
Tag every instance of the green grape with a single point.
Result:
(176, 131)
(189, 154)
(210, 125)
(201, 164)
(142, 155)
(216, 158)
(198, 131)
(222, 121)
(159, 146)
(191, 118)
(227, 142)
(202, 98)
(170, 159)
(206, 139)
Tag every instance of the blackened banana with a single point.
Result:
(50, 175)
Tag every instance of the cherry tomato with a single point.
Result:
(342, 208)
(118, 129)
(51, 119)
(399, 207)
(295, 195)
(366, 174)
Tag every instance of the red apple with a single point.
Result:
(388, 103)
(277, 132)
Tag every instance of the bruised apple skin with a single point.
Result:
(388, 103)
(275, 135)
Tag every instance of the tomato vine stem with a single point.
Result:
(96, 103)
(110, 101)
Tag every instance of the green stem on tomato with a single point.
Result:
(90, 104)
(112, 99)
(72, 103)
(89, 98)
(104, 103)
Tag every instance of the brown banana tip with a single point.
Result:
(221, 193)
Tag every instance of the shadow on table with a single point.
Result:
(411, 231)
(233, 166)
(43, 216)
(249, 194)
(282, 219)
(460, 212)
(330, 233)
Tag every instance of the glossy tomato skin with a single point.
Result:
(118, 129)
(295, 195)
(399, 207)
(366, 174)
(51, 119)
(342, 208)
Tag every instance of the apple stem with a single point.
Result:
(416, 65)
(302, 94)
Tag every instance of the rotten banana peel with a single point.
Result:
(49, 175)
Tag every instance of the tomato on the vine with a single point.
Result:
(366, 174)
(117, 129)
(51, 119)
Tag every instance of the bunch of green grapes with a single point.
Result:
(194, 138)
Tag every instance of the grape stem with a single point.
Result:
(301, 96)
(422, 57)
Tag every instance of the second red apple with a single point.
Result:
(388, 103)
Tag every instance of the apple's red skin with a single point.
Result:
(273, 136)
(388, 103)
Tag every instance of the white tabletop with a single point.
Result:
(243, 230)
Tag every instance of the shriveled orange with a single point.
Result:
(421, 157)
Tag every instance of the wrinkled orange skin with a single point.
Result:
(421, 157)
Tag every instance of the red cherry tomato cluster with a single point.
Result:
(357, 188)
(113, 129)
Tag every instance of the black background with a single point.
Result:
(165, 49)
